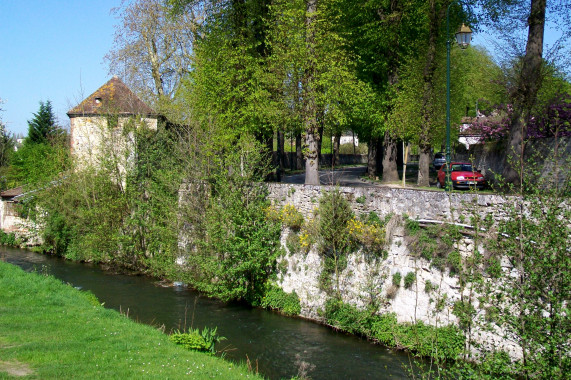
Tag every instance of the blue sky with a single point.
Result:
(54, 49)
(51, 49)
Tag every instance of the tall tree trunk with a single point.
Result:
(155, 66)
(424, 165)
(528, 85)
(389, 154)
(336, 143)
(390, 173)
(298, 152)
(309, 104)
(281, 155)
(320, 141)
(372, 171)
(428, 91)
(320, 123)
(354, 148)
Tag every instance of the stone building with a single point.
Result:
(101, 125)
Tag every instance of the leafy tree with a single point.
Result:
(476, 82)
(509, 17)
(153, 50)
(313, 72)
(381, 34)
(228, 86)
(233, 246)
(6, 149)
(42, 126)
(431, 106)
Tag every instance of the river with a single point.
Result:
(273, 343)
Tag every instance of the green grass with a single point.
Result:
(49, 330)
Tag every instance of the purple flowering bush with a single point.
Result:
(548, 121)
(493, 126)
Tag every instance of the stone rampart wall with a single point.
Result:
(417, 204)
(364, 280)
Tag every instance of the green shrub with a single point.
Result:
(494, 267)
(424, 340)
(409, 280)
(441, 302)
(443, 342)
(291, 217)
(396, 279)
(465, 312)
(498, 365)
(191, 340)
(429, 286)
(211, 337)
(361, 199)
(411, 226)
(369, 236)
(374, 220)
(197, 340)
(292, 243)
(333, 228)
(276, 299)
(455, 261)
(385, 329)
(7, 238)
(347, 318)
(334, 216)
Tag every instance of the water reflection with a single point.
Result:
(269, 340)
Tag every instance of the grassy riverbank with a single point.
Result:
(50, 330)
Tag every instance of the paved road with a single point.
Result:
(341, 177)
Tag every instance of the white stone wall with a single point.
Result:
(12, 222)
(417, 204)
(362, 281)
(94, 144)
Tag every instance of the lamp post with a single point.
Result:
(463, 38)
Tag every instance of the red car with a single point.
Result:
(463, 176)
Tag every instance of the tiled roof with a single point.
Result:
(11, 192)
(114, 97)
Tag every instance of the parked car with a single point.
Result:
(439, 160)
(463, 176)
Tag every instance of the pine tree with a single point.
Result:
(43, 125)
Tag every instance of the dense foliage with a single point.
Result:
(90, 215)
(233, 245)
(533, 307)
(276, 299)
(424, 340)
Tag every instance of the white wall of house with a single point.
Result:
(94, 143)
(347, 138)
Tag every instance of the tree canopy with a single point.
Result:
(43, 125)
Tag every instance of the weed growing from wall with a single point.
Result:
(409, 280)
(434, 243)
(334, 238)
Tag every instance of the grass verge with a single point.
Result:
(50, 330)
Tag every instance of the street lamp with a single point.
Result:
(463, 37)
